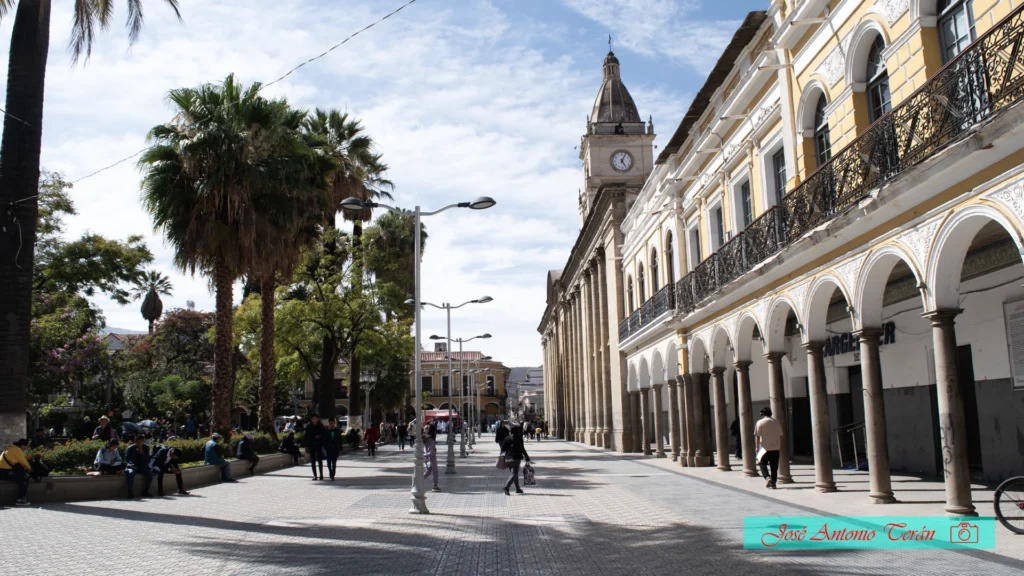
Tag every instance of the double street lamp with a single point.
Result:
(419, 497)
(450, 465)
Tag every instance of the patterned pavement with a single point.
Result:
(592, 512)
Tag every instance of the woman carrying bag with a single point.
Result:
(514, 453)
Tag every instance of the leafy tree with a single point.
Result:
(149, 286)
(390, 245)
(206, 185)
(19, 171)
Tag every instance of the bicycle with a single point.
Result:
(1009, 504)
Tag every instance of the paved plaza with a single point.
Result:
(592, 512)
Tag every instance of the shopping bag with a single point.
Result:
(501, 465)
(529, 478)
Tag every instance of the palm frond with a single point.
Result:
(5, 7)
(82, 29)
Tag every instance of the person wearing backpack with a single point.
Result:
(515, 453)
(167, 460)
(14, 467)
(246, 451)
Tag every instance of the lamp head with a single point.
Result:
(484, 300)
(436, 337)
(482, 203)
(485, 358)
(352, 204)
(410, 302)
(485, 335)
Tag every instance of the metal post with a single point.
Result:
(462, 380)
(419, 497)
(450, 465)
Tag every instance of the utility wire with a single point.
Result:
(285, 75)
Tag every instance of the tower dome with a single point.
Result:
(614, 104)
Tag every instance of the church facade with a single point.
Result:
(835, 231)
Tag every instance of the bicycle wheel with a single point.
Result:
(1009, 504)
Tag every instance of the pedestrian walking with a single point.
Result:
(430, 454)
(371, 438)
(734, 429)
(768, 433)
(400, 434)
(316, 435)
(500, 433)
(335, 440)
(410, 431)
(515, 452)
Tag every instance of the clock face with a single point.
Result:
(622, 161)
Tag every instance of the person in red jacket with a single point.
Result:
(371, 436)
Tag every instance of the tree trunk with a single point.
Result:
(267, 384)
(223, 350)
(19, 184)
(355, 407)
(151, 322)
(325, 391)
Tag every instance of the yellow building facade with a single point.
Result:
(834, 231)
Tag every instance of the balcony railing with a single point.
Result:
(985, 78)
(662, 302)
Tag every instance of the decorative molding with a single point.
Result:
(760, 312)
(730, 327)
(892, 9)
(799, 294)
(762, 114)
(833, 67)
(849, 272)
(918, 241)
(1012, 197)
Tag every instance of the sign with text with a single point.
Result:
(868, 532)
(1013, 313)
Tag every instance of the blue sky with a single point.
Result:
(465, 98)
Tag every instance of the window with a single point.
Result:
(654, 270)
(444, 385)
(717, 228)
(490, 385)
(428, 383)
(746, 204)
(956, 27)
(465, 385)
(879, 99)
(822, 138)
(779, 172)
(670, 259)
(629, 294)
(694, 246)
(641, 284)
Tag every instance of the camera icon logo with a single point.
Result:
(963, 533)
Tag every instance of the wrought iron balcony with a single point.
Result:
(634, 321)
(647, 313)
(664, 300)
(985, 78)
(624, 329)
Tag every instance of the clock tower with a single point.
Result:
(618, 145)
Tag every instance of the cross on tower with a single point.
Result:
(609, 42)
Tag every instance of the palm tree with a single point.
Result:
(360, 173)
(204, 176)
(19, 170)
(300, 174)
(148, 287)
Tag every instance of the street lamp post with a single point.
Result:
(450, 466)
(419, 497)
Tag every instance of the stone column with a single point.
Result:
(571, 370)
(688, 446)
(702, 449)
(594, 384)
(874, 417)
(634, 421)
(659, 428)
(780, 411)
(820, 430)
(721, 419)
(604, 375)
(586, 332)
(746, 418)
(951, 414)
(645, 410)
(577, 372)
(708, 417)
(674, 423)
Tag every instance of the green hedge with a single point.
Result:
(77, 456)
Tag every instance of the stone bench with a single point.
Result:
(79, 488)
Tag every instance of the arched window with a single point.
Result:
(822, 137)
(654, 270)
(670, 259)
(629, 294)
(641, 284)
(956, 27)
(879, 99)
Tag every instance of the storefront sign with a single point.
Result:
(846, 343)
(1013, 312)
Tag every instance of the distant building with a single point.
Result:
(489, 376)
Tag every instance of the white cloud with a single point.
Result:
(661, 27)
(459, 100)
